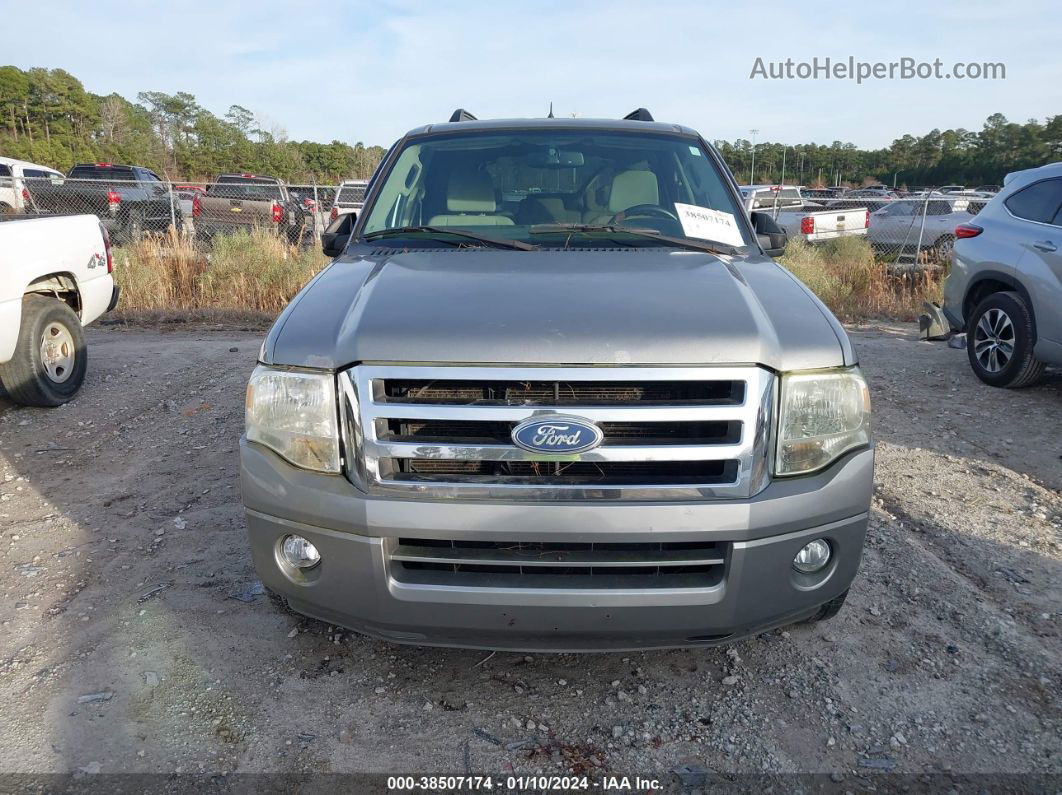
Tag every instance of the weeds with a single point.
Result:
(258, 272)
(847, 277)
(245, 272)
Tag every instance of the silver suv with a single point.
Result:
(1005, 286)
(552, 394)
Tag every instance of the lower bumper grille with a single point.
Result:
(523, 564)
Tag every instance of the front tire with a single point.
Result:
(50, 357)
(999, 342)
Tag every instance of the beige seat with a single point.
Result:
(629, 189)
(470, 202)
(546, 210)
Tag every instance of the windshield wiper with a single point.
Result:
(398, 231)
(711, 246)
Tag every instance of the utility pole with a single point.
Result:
(752, 174)
(801, 180)
(784, 148)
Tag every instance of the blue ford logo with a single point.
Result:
(556, 434)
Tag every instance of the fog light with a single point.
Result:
(299, 553)
(812, 557)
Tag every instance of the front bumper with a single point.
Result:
(352, 585)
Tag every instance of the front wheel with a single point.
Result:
(999, 342)
(50, 357)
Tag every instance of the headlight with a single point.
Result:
(294, 414)
(823, 415)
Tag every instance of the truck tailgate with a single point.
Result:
(827, 224)
(218, 211)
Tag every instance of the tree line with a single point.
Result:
(47, 116)
(936, 158)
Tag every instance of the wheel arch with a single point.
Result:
(990, 282)
(63, 285)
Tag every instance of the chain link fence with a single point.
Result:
(134, 203)
(912, 232)
(918, 231)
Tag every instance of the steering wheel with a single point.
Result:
(644, 211)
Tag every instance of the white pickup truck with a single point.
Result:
(55, 278)
(802, 218)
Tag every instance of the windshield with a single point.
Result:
(558, 186)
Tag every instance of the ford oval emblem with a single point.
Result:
(557, 434)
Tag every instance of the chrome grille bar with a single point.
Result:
(380, 464)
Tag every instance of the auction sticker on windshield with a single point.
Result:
(708, 224)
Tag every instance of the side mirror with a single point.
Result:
(771, 237)
(336, 235)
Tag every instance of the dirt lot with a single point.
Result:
(133, 640)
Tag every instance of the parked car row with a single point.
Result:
(132, 200)
(803, 218)
(920, 223)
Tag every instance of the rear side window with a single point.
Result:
(350, 194)
(4, 171)
(766, 200)
(939, 208)
(109, 173)
(247, 189)
(1038, 202)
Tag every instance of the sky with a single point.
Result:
(355, 71)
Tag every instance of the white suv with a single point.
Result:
(16, 184)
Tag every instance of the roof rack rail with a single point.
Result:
(641, 114)
(462, 115)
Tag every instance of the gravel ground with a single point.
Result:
(133, 638)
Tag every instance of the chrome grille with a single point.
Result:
(523, 564)
(669, 433)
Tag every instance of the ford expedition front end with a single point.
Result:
(553, 395)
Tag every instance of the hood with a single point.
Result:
(610, 307)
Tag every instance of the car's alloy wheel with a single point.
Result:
(1001, 336)
(994, 340)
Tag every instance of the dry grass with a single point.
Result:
(249, 273)
(845, 274)
(253, 276)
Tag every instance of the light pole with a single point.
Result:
(752, 170)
